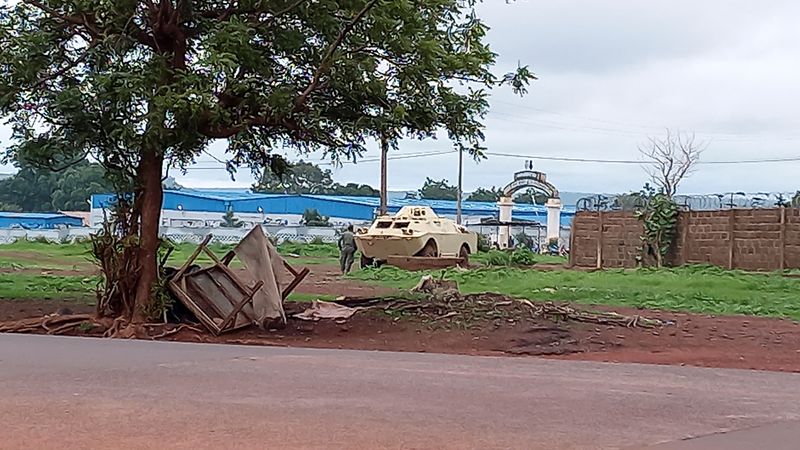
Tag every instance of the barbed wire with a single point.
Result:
(706, 202)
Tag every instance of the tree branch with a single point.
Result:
(63, 70)
(327, 60)
(227, 13)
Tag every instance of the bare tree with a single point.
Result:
(671, 158)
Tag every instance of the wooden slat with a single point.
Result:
(731, 229)
(189, 303)
(297, 279)
(194, 256)
(249, 297)
(226, 260)
(782, 264)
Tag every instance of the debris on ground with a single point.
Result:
(429, 285)
(223, 300)
(326, 310)
(438, 300)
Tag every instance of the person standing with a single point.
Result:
(347, 249)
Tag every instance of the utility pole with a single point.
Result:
(384, 208)
(459, 192)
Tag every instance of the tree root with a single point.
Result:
(175, 330)
(53, 324)
(117, 328)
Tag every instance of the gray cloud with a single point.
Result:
(613, 73)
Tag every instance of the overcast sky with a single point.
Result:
(612, 73)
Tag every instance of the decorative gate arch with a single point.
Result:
(537, 181)
(530, 179)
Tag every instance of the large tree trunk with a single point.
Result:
(152, 194)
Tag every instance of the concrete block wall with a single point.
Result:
(748, 239)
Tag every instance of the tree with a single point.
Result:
(531, 197)
(145, 86)
(308, 178)
(36, 190)
(438, 190)
(300, 178)
(355, 190)
(312, 218)
(795, 202)
(670, 159)
(229, 220)
(485, 195)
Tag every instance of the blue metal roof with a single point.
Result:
(348, 207)
(33, 216)
(37, 220)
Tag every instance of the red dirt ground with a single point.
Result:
(327, 280)
(734, 342)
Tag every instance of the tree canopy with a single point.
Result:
(308, 178)
(532, 197)
(491, 194)
(438, 190)
(143, 86)
(36, 190)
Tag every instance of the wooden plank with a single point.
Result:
(782, 250)
(197, 291)
(233, 276)
(213, 256)
(290, 268)
(226, 260)
(684, 235)
(193, 307)
(572, 254)
(248, 298)
(731, 228)
(599, 262)
(298, 278)
(194, 256)
(224, 290)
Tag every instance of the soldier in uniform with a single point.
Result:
(347, 249)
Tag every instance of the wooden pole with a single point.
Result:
(460, 192)
(783, 239)
(571, 242)
(684, 229)
(599, 264)
(731, 226)
(384, 208)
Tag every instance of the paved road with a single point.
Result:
(91, 393)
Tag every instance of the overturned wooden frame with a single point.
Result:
(299, 275)
(219, 298)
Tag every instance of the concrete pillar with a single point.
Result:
(553, 206)
(503, 232)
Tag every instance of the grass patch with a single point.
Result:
(24, 254)
(494, 258)
(302, 297)
(700, 289)
(47, 287)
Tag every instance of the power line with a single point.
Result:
(630, 161)
(360, 161)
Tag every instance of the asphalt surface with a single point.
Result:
(58, 392)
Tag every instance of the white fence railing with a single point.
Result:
(194, 235)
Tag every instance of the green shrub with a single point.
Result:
(483, 243)
(523, 257)
(498, 258)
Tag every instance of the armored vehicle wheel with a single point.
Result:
(464, 254)
(366, 261)
(431, 250)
